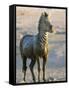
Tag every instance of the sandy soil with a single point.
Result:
(51, 75)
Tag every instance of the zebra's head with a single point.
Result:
(44, 23)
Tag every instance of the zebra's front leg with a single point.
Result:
(38, 69)
(31, 68)
(44, 63)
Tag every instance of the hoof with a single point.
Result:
(24, 79)
(44, 80)
(34, 80)
(38, 80)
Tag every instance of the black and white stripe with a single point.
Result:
(43, 39)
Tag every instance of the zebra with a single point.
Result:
(36, 46)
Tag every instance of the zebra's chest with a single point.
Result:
(40, 50)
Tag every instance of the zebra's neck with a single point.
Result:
(43, 39)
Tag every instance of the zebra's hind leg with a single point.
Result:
(31, 68)
(24, 67)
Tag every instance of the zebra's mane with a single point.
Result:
(43, 18)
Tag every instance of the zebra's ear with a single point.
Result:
(46, 15)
